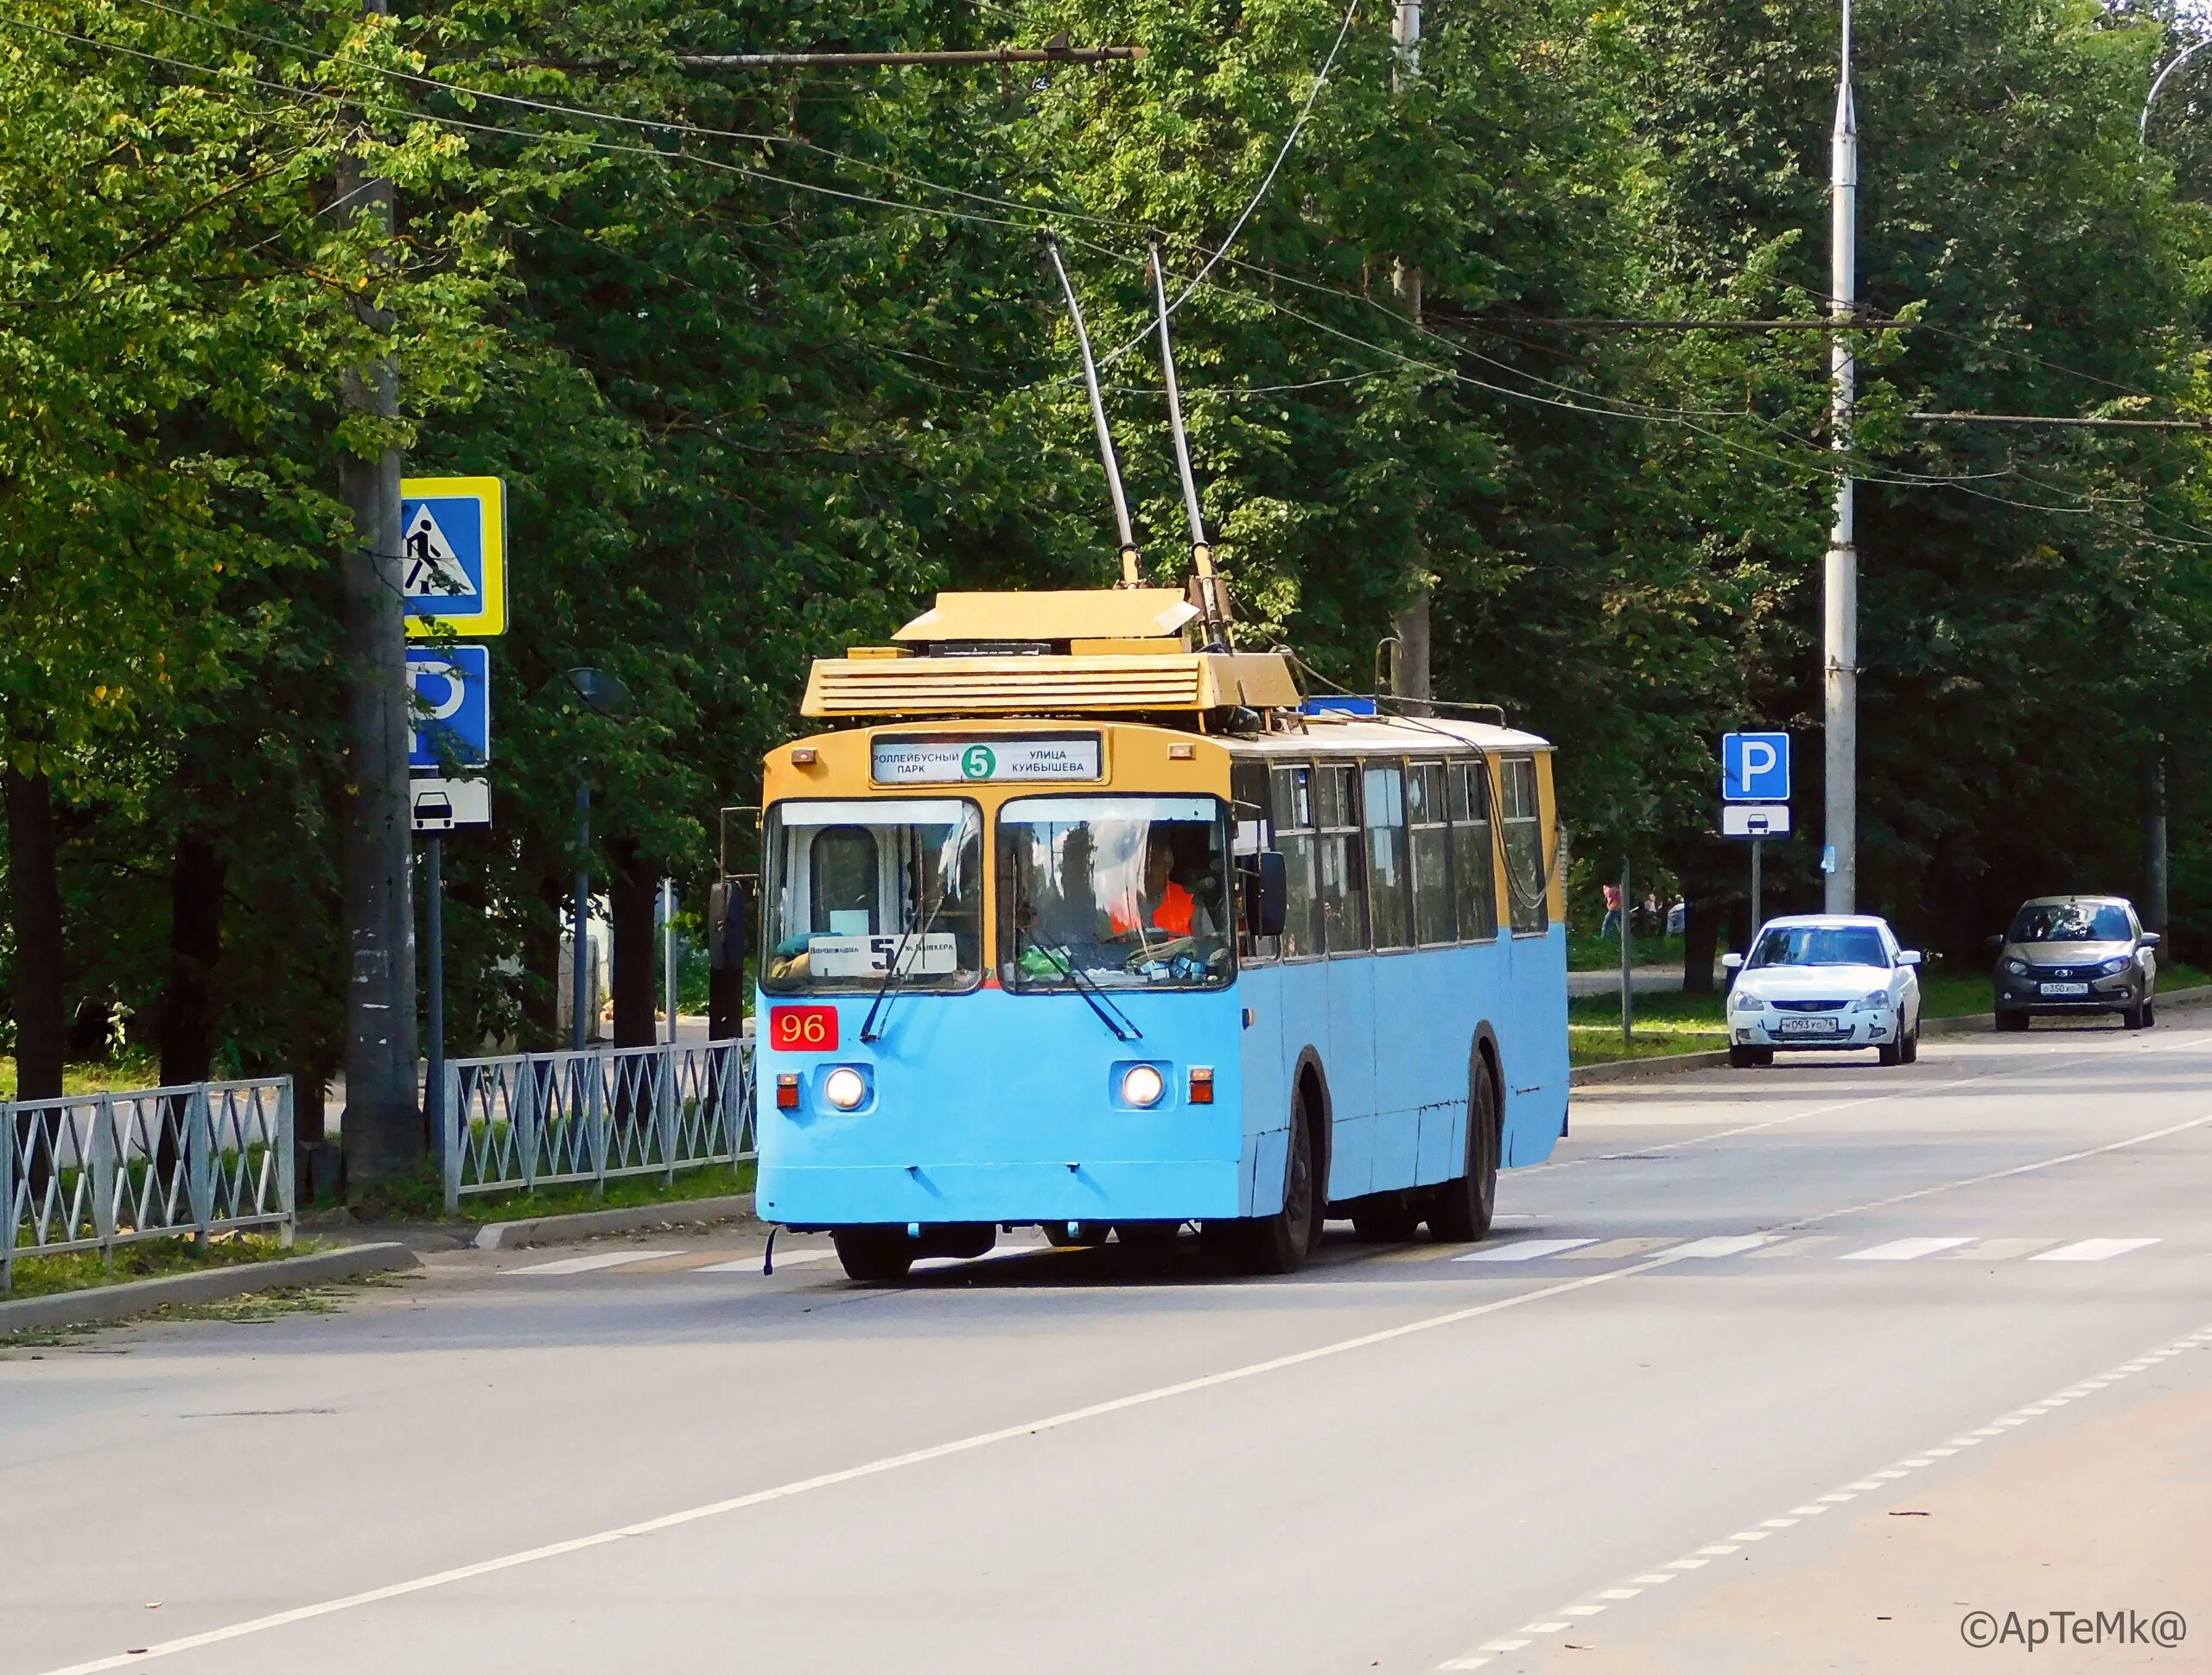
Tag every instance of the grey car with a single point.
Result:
(2068, 955)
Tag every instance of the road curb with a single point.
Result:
(1634, 1070)
(596, 1223)
(133, 1296)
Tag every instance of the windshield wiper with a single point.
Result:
(869, 1032)
(1109, 1014)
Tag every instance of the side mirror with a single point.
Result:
(2151, 939)
(1909, 956)
(1270, 881)
(1731, 962)
(1994, 943)
(726, 926)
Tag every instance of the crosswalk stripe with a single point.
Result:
(751, 1264)
(1904, 1250)
(1734, 1245)
(1797, 1247)
(1524, 1250)
(591, 1264)
(1608, 1249)
(1998, 1250)
(2093, 1250)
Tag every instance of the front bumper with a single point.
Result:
(2121, 993)
(1855, 1029)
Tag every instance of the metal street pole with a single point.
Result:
(434, 1082)
(1757, 845)
(383, 1127)
(1628, 957)
(579, 948)
(1410, 669)
(1840, 636)
(668, 951)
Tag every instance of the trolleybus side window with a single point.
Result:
(1296, 837)
(1429, 850)
(1524, 845)
(853, 887)
(1383, 801)
(1474, 878)
(1249, 822)
(1344, 874)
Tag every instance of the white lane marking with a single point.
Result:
(751, 1264)
(1551, 1628)
(2199, 1339)
(1784, 1523)
(1903, 1250)
(1718, 1550)
(1582, 1610)
(1731, 1245)
(1526, 1250)
(1652, 1578)
(588, 1264)
(1504, 1646)
(2093, 1250)
(1612, 1248)
(1464, 1663)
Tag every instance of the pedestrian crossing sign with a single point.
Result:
(453, 547)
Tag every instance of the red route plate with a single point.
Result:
(802, 1028)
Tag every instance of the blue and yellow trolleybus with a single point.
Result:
(1075, 922)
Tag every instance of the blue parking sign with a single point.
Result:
(453, 540)
(1755, 767)
(450, 721)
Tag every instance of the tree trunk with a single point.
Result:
(1701, 923)
(637, 971)
(34, 886)
(187, 1030)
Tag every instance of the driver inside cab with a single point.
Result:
(1164, 904)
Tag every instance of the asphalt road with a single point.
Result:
(1790, 1370)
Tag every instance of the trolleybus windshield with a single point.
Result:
(1118, 891)
(854, 886)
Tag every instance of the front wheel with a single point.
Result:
(1750, 1058)
(1909, 1048)
(873, 1256)
(2133, 1018)
(2010, 1021)
(1461, 1212)
(1279, 1243)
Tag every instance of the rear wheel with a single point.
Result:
(1461, 1212)
(1750, 1058)
(874, 1256)
(1279, 1243)
(1388, 1218)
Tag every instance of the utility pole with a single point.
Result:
(1410, 669)
(1840, 638)
(2154, 842)
(383, 1126)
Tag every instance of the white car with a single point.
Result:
(1824, 981)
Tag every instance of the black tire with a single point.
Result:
(1909, 1048)
(1888, 1053)
(1084, 1236)
(1279, 1243)
(2133, 1017)
(1460, 1211)
(1388, 1218)
(2150, 1012)
(2010, 1021)
(1750, 1058)
(873, 1256)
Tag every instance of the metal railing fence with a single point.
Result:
(532, 1119)
(92, 1171)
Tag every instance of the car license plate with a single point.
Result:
(2063, 988)
(1809, 1026)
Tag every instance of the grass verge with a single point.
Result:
(424, 1200)
(44, 1276)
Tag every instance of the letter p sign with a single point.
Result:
(1755, 767)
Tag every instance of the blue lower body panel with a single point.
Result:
(1000, 1192)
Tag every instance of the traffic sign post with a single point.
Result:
(1755, 793)
(454, 555)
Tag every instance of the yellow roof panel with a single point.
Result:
(1102, 613)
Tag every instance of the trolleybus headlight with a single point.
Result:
(1142, 1086)
(844, 1087)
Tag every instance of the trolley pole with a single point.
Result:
(1841, 613)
